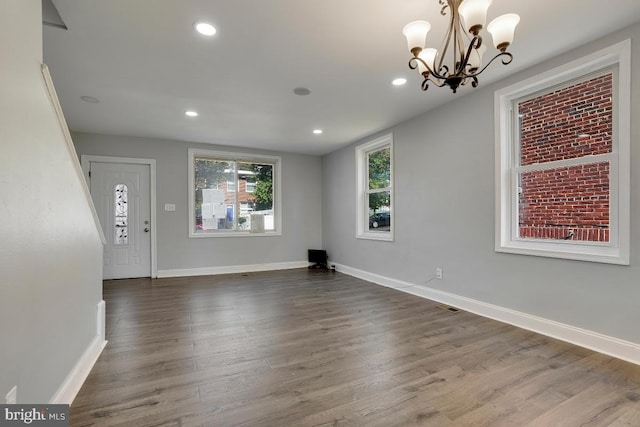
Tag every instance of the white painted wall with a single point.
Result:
(177, 253)
(50, 250)
(444, 200)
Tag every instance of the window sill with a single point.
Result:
(385, 237)
(206, 235)
(576, 251)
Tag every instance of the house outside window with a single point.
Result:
(563, 163)
(220, 203)
(374, 165)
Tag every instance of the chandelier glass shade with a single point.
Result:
(459, 61)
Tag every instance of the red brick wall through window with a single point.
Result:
(570, 202)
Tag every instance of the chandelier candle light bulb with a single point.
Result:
(463, 44)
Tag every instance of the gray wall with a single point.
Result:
(444, 207)
(51, 253)
(301, 205)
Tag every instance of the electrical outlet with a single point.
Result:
(439, 273)
(12, 397)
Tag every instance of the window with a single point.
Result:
(221, 207)
(375, 189)
(562, 169)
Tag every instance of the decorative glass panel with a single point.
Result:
(121, 215)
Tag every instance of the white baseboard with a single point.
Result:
(247, 268)
(74, 380)
(101, 332)
(611, 346)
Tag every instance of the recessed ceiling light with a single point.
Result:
(399, 81)
(205, 28)
(90, 99)
(317, 131)
(191, 113)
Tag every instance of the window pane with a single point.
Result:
(213, 195)
(379, 168)
(570, 122)
(380, 211)
(121, 226)
(255, 194)
(569, 203)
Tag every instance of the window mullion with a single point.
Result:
(236, 207)
(554, 164)
(378, 190)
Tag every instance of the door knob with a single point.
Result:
(146, 230)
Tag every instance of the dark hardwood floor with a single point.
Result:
(309, 348)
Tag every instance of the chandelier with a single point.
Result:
(459, 60)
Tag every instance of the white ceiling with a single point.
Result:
(146, 65)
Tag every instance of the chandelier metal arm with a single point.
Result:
(440, 75)
(451, 31)
(475, 44)
(461, 76)
(458, 79)
(427, 79)
(508, 57)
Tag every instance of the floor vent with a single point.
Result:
(447, 308)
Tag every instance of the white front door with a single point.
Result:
(122, 197)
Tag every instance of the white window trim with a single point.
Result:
(222, 155)
(362, 182)
(616, 251)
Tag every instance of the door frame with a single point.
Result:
(86, 160)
